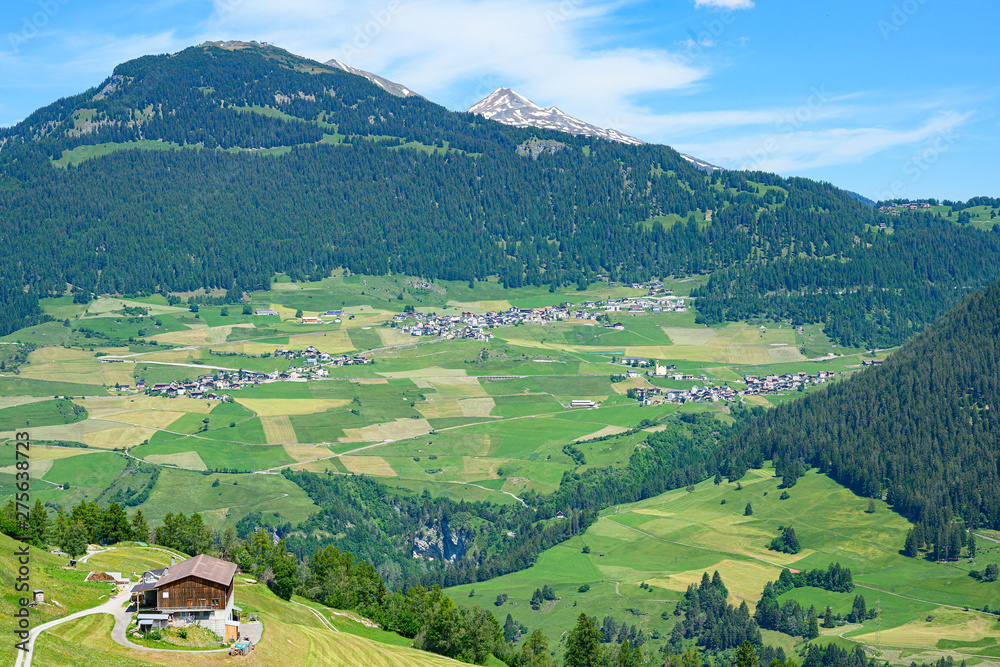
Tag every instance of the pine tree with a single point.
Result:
(748, 511)
(746, 655)
(828, 621)
(910, 547)
(38, 522)
(971, 543)
(583, 644)
(812, 631)
(627, 657)
(791, 541)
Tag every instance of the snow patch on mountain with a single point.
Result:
(391, 87)
(506, 106)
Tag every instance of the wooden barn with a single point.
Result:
(198, 590)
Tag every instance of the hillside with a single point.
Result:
(223, 164)
(922, 428)
(293, 634)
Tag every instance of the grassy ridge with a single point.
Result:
(668, 541)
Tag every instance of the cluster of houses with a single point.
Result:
(473, 326)
(770, 384)
(896, 208)
(705, 394)
(213, 386)
(645, 304)
(313, 357)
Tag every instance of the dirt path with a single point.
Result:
(318, 615)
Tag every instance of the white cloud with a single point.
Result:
(433, 46)
(725, 4)
(798, 150)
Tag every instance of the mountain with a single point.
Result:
(397, 89)
(506, 106)
(223, 164)
(922, 428)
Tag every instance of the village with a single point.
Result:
(211, 386)
(474, 326)
(755, 386)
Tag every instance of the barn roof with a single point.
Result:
(201, 566)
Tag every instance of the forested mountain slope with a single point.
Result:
(265, 162)
(923, 428)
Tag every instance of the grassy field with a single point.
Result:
(431, 406)
(43, 413)
(668, 541)
(292, 634)
(62, 585)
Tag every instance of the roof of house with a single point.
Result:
(201, 566)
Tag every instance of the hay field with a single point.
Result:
(305, 453)
(395, 337)
(745, 580)
(278, 430)
(182, 460)
(368, 465)
(631, 383)
(476, 407)
(483, 306)
(458, 387)
(104, 306)
(196, 335)
(689, 335)
(394, 430)
(158, 419)
(107, 406)
(273, 407)
(438, 408)
(15, 401)
(117, 436)
(956, 625)
(58, 364)
(435, 372)
(334, 342)
(607, 430)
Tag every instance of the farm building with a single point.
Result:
(198, 590)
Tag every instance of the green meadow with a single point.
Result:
(668, 541)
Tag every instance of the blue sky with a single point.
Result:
(889, 98)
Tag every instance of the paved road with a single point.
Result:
(112, 606)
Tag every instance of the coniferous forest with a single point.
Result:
(379, 184)
(920, 430)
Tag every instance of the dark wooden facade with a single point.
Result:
(193, 593)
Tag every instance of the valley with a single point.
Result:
(496, 386)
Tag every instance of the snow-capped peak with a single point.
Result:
(506, 106)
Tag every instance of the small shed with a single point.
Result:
(232, 631)
(152, 621)
(38, 595)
